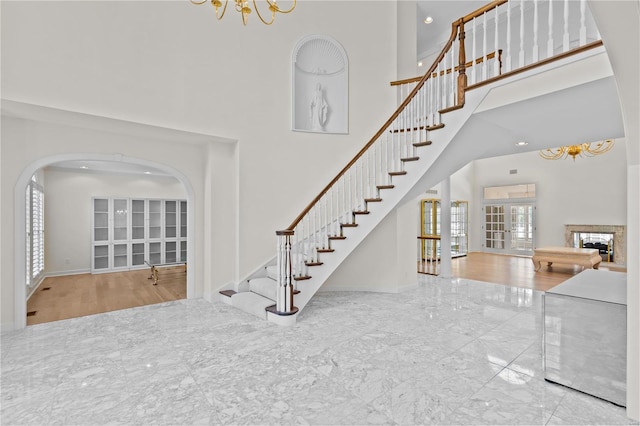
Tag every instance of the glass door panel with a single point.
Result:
(120, 219)
(155, 219)
(120, 255)
(137, 219)
(183, 219)
(101, 257)
(522, 228)
(170, 219)
(101, 219)
(494, 227)
(183, 251)
(137, 254)
(170, 253)
(155, 253)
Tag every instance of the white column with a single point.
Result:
(445, 228)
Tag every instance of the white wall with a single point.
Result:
(587, 191)
(68, 211)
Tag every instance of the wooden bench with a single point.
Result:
(167, 270)
(588, 258)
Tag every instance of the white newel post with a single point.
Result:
(284, 297)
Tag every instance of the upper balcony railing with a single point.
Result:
(502, 38)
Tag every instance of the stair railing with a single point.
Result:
(494, 30)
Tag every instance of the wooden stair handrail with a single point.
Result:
(448, 70)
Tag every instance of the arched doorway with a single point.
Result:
(20, 296)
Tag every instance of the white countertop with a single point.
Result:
(605, 286)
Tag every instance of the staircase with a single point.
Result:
(394, 162)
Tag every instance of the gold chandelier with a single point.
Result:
(583, 150)
(243, 7)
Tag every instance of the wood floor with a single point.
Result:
(74, 296)
(511, 270)
(79, 295)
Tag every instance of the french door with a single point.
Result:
(509, 228)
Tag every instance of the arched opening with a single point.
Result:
(20, 289)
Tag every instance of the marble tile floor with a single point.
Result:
(453, 351)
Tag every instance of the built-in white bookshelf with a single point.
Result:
(127, 232)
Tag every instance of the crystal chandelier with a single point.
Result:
(583, 150)
(243, 7)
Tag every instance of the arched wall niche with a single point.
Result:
(320, 86)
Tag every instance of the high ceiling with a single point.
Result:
(431, 37)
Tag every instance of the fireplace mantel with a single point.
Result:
(619, 238)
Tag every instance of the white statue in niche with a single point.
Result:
(318, 110)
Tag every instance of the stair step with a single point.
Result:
(385, 186)
(401, 173)
(314, 263)
(451, 108)
(228, 293)
(338, 237)
(251, 303)
(372, 200)
(404, 160)
(325, 250)
(361, 212)
(348, 225)
(302, 277)
(435, 126)
(264, 286)
(419, 144)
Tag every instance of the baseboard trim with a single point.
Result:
(65, 273)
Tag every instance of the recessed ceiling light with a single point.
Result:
(428, 20)
(522, 143)
(420, 63)
(84, 167)
(147, 173)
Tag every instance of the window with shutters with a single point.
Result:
(35, 232)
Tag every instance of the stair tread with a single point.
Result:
(313, 263)
(348, 225)
(451, 108)
(338, 237)
(228, 293)
(425, 143)
(409, 159)
(385, 186)
(325, 250)
(251, 303)
(302, 277)
(372, 200)
(361, 212)
(400, 173)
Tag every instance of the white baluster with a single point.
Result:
(508, 57)
(474, 77)
(484, 46)
(583, 25)
(361, 197)
(452, 97)
(496, 63)
(550, 39)
(521, 53)
(325, 220)
(565, 36)
(536, 50)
